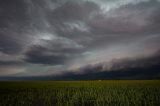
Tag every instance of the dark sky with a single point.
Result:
(44, 37)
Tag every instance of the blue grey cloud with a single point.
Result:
(76, 33)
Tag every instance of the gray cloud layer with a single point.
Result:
(75, 33)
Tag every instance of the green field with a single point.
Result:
(81, 93)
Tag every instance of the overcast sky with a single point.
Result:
(43, 37)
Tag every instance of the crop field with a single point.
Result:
(81, 93)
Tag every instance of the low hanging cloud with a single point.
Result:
(72, 34)
(53, 50)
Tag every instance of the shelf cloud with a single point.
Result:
(67, 35)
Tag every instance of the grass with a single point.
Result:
(81, 93)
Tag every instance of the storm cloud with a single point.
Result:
(73, 34)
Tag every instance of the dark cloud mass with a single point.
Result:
(79, 36)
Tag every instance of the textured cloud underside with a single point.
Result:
(39, 37)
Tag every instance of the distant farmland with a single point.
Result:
(81, 93)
